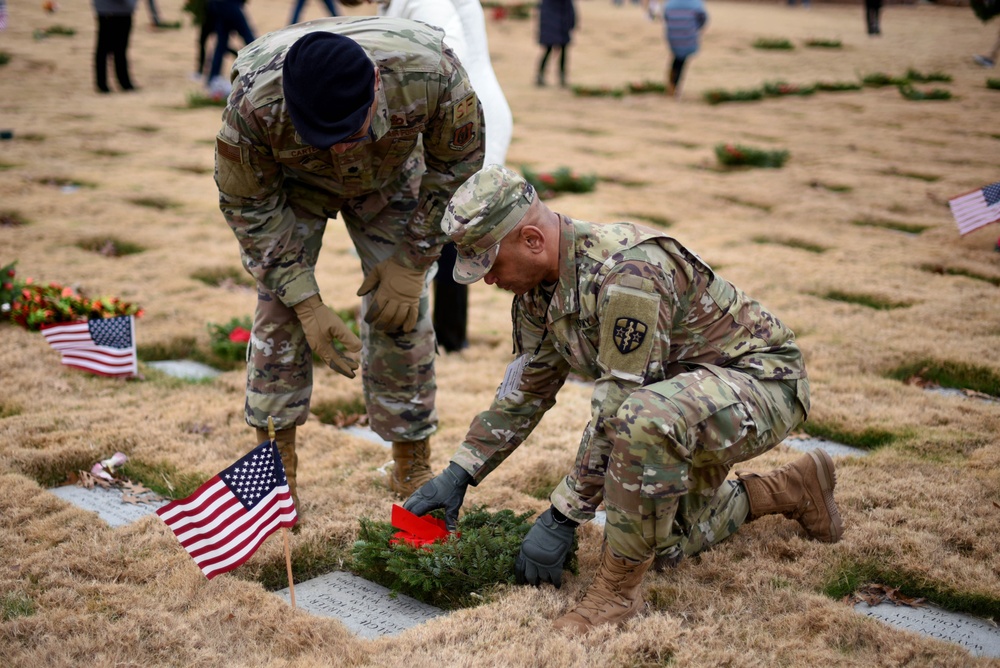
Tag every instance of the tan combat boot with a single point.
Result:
(285, 440)
(614, 597)
(801, 490)
(411, 466)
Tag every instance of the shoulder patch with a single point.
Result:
(466, 107)
(628, 331)
(462, 137)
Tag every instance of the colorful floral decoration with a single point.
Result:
(31, 305)
(597, 91)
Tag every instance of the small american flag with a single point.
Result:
(104, 346)
(223, 523)
(977, 208)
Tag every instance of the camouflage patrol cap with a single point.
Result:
(480, 214)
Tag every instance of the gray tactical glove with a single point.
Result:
(444, 491)
(544, 550)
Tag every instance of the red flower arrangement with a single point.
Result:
(31, 305)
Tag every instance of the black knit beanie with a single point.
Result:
(329, 84)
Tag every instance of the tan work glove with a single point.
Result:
(396, 302)
(322, 327)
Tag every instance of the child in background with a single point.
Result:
(685, 20)
(556, 20)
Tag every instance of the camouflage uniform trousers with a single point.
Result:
(673, 444)
(397, 369)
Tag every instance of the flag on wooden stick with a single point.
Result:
(977, 208)
(223, 523)
(105, 346)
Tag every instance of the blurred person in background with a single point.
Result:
(300, 5)
(556, 22)
(685, 20)
(464, 26)
(114, 27)
(226, 17)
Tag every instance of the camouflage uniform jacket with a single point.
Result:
(263, 167)
(632, 307)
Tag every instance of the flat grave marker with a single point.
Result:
(107, 503)
(977, 635)
(369, 610)
(367, 434)
(185, 369)
(834, 449)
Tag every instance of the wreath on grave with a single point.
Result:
(911, 93)
(720, 95)
(736, 155)
(562, 180)
(782, 88)
(639, 87)
(459, 571)
(597, 91)
(229, 341)
(501, 11)
(32, 305)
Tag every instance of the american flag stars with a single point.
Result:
(253, 477)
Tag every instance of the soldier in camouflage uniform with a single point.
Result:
(691, 376)
(328, 117)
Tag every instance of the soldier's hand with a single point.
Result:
(444, 491)
(544, 550)
(396, 302)
(322, 327)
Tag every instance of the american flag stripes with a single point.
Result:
(977, 208)
(104, 346)
(223, 523)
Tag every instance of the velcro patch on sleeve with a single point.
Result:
(628, 331)
(467, 107)
(230, 151)
(463, 137)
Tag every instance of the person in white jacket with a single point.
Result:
(464, 26)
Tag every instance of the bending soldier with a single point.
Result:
(326, 118)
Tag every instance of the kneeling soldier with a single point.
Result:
(691, 376)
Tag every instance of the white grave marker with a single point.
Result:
(367, 434)
(185, 369)
(366, 608)
(978, 636)
(832, 448)
(107, 503)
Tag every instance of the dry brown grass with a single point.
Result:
(920, 511)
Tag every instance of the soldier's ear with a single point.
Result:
(532, 237)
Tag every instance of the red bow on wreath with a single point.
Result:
(416, 531)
